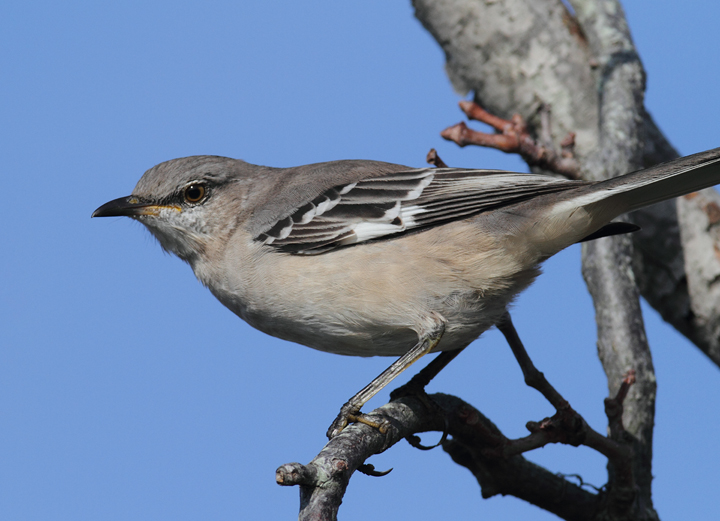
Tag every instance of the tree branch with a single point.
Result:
(699, 217)
(474, 444)
(622, 343)
(324, 480)
(478, 445)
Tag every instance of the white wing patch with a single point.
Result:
(372, 230)
(385, 206)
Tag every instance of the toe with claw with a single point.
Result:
(351, 414)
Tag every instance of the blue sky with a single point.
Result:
(128, 392)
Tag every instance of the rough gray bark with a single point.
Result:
(699, 217)
(607, 264)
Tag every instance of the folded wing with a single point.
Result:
(388, 206)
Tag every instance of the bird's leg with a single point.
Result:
(417, 383)
(350, 412)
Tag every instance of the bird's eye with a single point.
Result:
(194, 193)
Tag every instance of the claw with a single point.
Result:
(337, 426)
(369, 470)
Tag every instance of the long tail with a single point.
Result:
(576, 214)
(658, 183)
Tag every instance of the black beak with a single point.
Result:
(125, 206)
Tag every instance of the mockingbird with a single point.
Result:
(368, 258)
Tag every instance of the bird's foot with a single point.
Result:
(351, 414)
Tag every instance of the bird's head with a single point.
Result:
(187, 203)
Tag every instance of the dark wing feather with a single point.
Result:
(400, 202)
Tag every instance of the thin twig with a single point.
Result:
(566, 426)
(434, 159)
(513, 137)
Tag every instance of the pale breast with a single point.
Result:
(372, 299)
